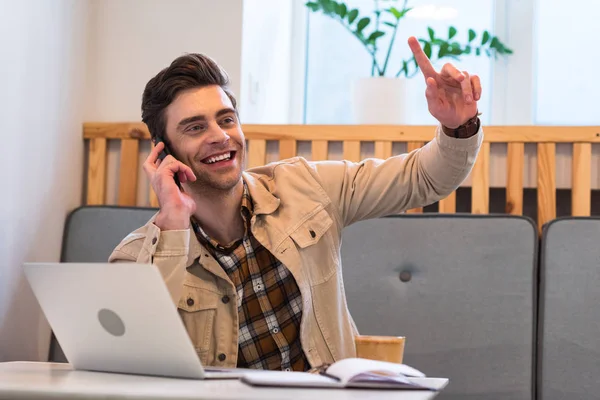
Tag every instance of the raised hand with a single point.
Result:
(451, 94)
(176, 207)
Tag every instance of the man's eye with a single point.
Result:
(229, 120)
(195, 128)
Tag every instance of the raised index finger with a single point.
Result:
(421, 58)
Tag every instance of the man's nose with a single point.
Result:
(218, 135)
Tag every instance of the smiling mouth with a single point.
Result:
(219, 158)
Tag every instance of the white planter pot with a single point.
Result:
(379, 100)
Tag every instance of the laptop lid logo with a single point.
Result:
(111, 322)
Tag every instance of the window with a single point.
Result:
(566, 83)
(335, 58)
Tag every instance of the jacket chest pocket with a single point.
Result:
(316, 246)
(197, 309)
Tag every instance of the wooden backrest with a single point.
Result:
(131, 134)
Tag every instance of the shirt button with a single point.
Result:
(258, 287)
(312, 234)
(405, 276)
(154, 240)
(222, 357)
(287, 369)
(225, 299)
(275, 330)
(190, 302)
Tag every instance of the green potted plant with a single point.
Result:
(387, 81)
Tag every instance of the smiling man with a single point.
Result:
(252, 258)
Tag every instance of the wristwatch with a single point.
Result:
(466, 130)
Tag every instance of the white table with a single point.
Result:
(58, 381)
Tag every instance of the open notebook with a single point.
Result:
(353, 373)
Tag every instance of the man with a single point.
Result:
(252, 259)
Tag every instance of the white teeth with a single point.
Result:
(225, 156)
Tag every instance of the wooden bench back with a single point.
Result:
(131, 135)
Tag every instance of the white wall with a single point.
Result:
(42, 76)
(65, 62)
(130, 41)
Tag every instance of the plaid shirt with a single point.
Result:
(269, 300)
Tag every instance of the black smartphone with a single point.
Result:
(165, 152)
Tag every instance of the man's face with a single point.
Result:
(204, 133)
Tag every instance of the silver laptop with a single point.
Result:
(117, 318)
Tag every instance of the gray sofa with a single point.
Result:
(463, 289)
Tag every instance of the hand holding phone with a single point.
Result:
(163, 154)
(166, 175)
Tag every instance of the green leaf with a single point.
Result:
(468, 49)
(431, 33)
(395, 12)
(390, 24)
(495, 43)
(488, 52)
(486, 37)
(375, 35)
(443, 52)
(456, 50)
(472, 35)
(451, 32)
(341, 10)
(404, 68)
(313, 6)
(362, 24)
(427, 50)
(352, 16)
(328, 6)
(478, 51)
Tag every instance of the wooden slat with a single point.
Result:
(320, 150)
(411, 146)
(96, 178)
(480, 185)
(128, 172)
(257, 152)
(546, 183)
(392, 133)
(515, 167)
(287, 149)
(153, 198)
(448, 205)
(352, 150)
(383, 150)
(581, 201)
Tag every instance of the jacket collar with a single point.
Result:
(264, 203)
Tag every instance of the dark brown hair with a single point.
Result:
(185, 72)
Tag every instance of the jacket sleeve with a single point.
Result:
(168, 250)
(374, 188)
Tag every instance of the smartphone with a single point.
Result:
(165, 152)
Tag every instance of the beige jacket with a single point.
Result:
(300, 209)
